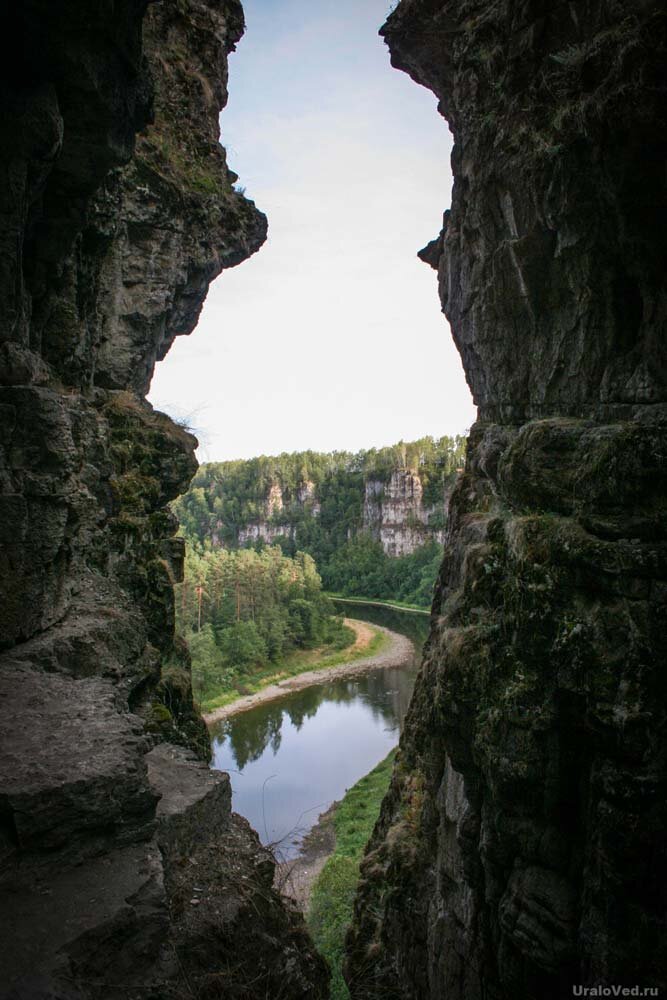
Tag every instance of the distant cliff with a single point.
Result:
(373, 521)
(397, 496)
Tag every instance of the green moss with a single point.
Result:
(174, 716)
(158, 717)
(152, 457)
(164, 153)
(412, 801)
(176, 680)
(135, 493)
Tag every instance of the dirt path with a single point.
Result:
(364, 632)
(399, 653)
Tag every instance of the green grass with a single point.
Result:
(385, 604)
(333, 893)
(296, 663)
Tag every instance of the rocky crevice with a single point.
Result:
(118, 209)
(519, 850)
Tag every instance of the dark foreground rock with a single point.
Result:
(122, 869)
(521, 849)
(186, 908)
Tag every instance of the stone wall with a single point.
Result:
(520, 849)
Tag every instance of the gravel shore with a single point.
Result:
(399, 653)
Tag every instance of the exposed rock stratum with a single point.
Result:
(122, 869)
(521, 850)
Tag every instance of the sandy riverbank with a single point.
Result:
(398, 653)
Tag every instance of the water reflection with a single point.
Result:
(409, 623)
(290, 759)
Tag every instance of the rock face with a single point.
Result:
(403, 507)
(108, 247)
(272, 507)
(520, 849)
(395, 514)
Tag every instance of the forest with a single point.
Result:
(240, 611)
(321, 512)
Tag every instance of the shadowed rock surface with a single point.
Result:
(121, 864)
(521, 847)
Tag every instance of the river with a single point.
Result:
(291, 758)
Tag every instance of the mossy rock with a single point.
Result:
(158, 717)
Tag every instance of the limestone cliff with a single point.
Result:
(520, 850)
(108, 248)
(398, 496)
(395, 512)
(392, 513)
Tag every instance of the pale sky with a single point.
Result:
(331, 336)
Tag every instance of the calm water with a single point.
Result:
(290, 759)
(409, 623)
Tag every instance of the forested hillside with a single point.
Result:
(242, 610)
(372, 521)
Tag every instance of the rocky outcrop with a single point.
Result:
(387, 504)
(392, 513)
(108, 247)
(395, 514)
(231, 931)
(266, 529)
(519, 852)
(261, 531)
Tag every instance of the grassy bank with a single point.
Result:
(333, 893)
(296, 663)
(398, 605)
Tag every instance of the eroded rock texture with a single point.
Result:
(107, 251)
(521, 847)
